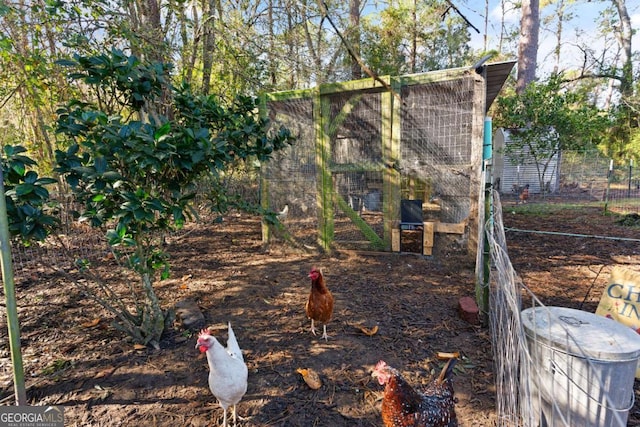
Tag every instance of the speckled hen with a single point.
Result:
(403, 406)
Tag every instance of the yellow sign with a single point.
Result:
(620, 300)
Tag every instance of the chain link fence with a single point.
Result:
(591, 177)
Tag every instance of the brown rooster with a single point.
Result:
(402, 406)
(319, 307)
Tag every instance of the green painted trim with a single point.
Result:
(13, 320)
(391, 133)
(264, 202)
(264, 183)
(291, 94)
(433, 76)
(369, 84)
(354, 85)
(348, 107)
(368, 232)
(323, 180)
(358, 167)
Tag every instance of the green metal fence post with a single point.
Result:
(482, 292)
(10, 299)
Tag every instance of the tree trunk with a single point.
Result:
(623, 35)
(146, 22)
(273, 66)
(485, 36)
(560, 9)
(528, 44)
(354, 17)
(208, 44)
(153, 318)
(414, 37)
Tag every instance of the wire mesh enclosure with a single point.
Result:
(554, 366)
(363, 147)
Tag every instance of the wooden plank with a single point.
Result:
(395, 240)
(358, 167)
(450, 228)
(264, 183)
(427, 238)
(339, 119)
(287, 95)
(391, 123)
(323, 175)
(435, 76)
(264, 202)
(366, 84)
(368, 232)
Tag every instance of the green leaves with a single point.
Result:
(137, 177)
(122, 74)
(551, 118)
(27, 197)
(140, 174)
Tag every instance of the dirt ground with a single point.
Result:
(73, 357)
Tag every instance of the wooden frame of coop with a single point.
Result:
(364, 146)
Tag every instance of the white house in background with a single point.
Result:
(508, 173)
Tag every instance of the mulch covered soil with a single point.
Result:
(73, 357)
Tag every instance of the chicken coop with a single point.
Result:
(383, 164)
(515, 168)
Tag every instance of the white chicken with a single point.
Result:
(227, 370)
(282, 215)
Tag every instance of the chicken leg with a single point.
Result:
(313, 328)
(225, 423)
(324, 330)
(324, 333)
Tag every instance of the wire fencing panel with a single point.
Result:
(355, 163)
(513, 397)
(591, 176)
(551, 365)
(372, 153)
(291, 173)
(436, 145)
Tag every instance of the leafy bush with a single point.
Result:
(26, 196)
(133, 162)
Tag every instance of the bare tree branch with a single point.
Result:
(452, 6)
(353, 54)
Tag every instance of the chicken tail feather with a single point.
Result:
(233, 348)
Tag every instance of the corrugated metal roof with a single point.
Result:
(495, 74)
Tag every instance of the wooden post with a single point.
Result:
(264, 184)
(323, 178)
(395, 240)
(427, 238)
(391, 126)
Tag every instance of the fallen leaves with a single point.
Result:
(367, 330)
(446, 356)
(310, 377)
(91, 324)
(105, 373)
